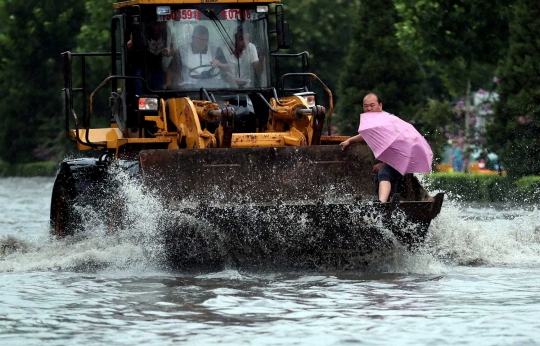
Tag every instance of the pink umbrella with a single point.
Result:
(396, 142)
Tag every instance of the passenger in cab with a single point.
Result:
(240, 62)
(158, 46)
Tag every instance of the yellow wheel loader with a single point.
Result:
(210, 118)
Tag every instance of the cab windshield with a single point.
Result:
(189, 49)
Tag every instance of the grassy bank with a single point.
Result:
(34, 169)
(485, 188)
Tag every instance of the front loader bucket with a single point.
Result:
(260, 176)
(277, 207)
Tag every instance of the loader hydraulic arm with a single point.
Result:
(327, 89)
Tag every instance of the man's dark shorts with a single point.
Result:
(388, 173)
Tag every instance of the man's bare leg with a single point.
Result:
(384, 190)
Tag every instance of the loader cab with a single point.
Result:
(215, 52)
(183, 48)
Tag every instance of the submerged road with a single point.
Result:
(474, 283)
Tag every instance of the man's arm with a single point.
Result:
(221, 62)
(355, 139)
(377, 164)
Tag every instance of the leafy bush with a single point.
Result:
(472, 187)
(34, 169)
(529, 187)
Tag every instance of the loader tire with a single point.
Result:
(64, 219)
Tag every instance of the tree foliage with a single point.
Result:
(376, 63)
(514, 131)
(323, 28)
(95, 36)
(32, 36)
(473, 30)
(466, 38)
(95, 31)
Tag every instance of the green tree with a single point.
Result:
(323, 28)
(376, 63)
(514, 131)
(466, 38)
(95, 32)
(95, 36)
(32, 36)
(471, 30)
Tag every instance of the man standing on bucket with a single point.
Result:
(387, 176)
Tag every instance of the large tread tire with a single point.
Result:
(64, 219)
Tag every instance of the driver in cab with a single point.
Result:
(194, 61)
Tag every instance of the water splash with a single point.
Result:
(94, 249)
(458, 236)
(77, 253)
(483, 239)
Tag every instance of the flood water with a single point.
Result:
(476, 282)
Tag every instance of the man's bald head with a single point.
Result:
(199, 39)
(372, 103)
(200, 31)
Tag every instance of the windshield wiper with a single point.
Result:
(221, 29)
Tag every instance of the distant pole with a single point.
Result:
(468, 106)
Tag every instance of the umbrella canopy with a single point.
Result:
(396, 142)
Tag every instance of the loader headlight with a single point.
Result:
(163, 10)
(309, 96)
(148, 104)
(262, 9)
(310, 99)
